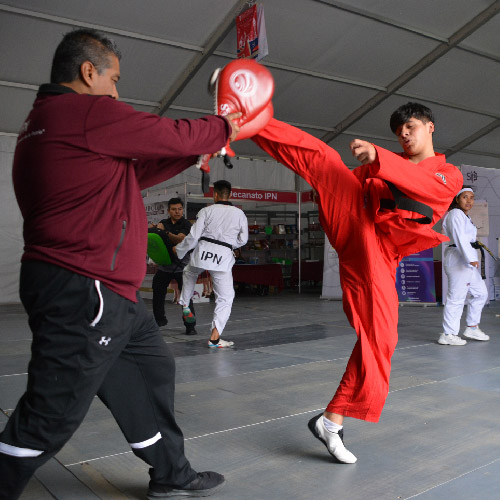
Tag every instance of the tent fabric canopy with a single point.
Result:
(340, 69)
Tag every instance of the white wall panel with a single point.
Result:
(11, 226)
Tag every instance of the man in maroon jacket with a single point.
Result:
(81, 161)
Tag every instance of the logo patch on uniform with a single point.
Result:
(105, 341)
(443, 178)
(205, 255)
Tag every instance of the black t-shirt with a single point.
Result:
(182, 226)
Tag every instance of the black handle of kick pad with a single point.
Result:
(227, 161)
(205, 182)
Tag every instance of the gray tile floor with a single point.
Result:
(244, 411)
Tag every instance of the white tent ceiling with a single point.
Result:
(340, 68)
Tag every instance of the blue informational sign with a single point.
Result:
(415, 278)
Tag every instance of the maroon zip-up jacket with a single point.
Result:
(80, 164)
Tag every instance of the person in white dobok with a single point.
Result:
(218, 230)
(461, 265)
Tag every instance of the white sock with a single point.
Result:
(331, 426)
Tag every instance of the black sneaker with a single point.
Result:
(191, 331)
(205, 485)
(161, 322)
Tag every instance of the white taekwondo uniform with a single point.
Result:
(465, 284)
(218, 229)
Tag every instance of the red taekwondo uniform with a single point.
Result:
(370, 241)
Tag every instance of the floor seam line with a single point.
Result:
(453, 479)
(223, 431)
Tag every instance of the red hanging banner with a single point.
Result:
(247, 34)
(251, 33)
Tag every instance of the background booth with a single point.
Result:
(285, 244)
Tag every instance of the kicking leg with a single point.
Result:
(341, 199)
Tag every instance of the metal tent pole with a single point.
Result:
(299, 227)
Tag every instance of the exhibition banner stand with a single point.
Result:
(415, 282)
(414, 277)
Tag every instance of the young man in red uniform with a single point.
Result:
(373, 216)
(81, 161)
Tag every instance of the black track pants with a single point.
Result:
(161, 280)
(88, 340)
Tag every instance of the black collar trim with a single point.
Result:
(54, 88)
(223, 203)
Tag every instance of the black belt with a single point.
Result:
(402, 202)
(479, 246)
(217, 242)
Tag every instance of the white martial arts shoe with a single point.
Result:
(220, 344)
(475, 334)
(451, 340)
(333, 441)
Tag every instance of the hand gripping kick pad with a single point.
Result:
(246, 86)
(253, 127)
(242, 86)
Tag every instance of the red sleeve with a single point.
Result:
(116, 129)
(432, 181)
(361, 173)
(306, 155)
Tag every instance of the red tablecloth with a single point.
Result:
(259, 274)
(310, 271)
